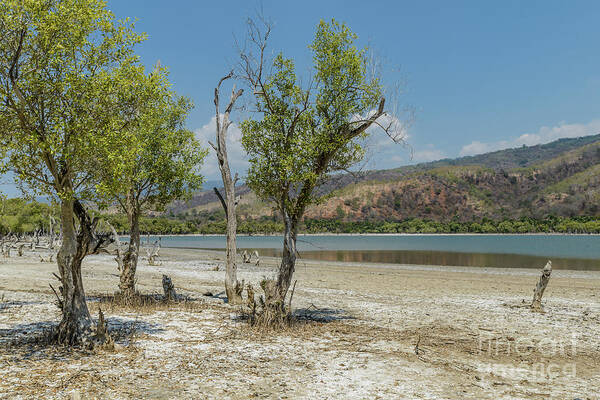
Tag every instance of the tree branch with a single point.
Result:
(368, 122)
(221, 199)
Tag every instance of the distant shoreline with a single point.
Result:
(375, 234)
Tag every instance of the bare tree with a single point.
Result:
(233, 289)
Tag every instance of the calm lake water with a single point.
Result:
(581, 252)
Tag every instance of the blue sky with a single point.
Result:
(482, 75)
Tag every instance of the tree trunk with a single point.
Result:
(288, 259)
(233, 289)
(130, 260)
(76, 324)
(51, 222)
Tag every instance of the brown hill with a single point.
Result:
(560, 178)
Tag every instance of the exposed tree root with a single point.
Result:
(269, 312)
(84, 333)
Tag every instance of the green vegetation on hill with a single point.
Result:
(561, 179)
(557, 190)
(21, 216)
(164, 226)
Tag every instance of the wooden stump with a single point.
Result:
(168, 288)
(102, 339)
(536, 304)
(257, 262)
(153, 256)
(251, 302)
(245, 257)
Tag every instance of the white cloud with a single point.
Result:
(381, 151)
(544, 135)
(406, 156)
(395, 127)
(430, 154)
(238, 161)
(477, 147)
(388, 124)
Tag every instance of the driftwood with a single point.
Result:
(536, 304)
(6, 250)
(153, 255)
(9, 242)
(257, 262)
(246, 257)
(168, 288)
(46, 260)
(20, 243)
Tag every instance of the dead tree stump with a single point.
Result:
(103, 338)
(257, 262)
(168, 288)
(536, 304)
(153, 255)
(6, 250)
(246, 257)
(273, 312)
(251, 301)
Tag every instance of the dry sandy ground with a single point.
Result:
(389, 332)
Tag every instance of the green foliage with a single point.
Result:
(152, 159)
(22, 216)
(307, 133)
(416, 225)
(59, 63)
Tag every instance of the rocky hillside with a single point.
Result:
(560, 178)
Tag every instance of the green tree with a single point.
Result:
(304, 134)
(57, 69)
(149, 162)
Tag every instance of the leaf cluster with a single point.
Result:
(150, 158)
(303, 134)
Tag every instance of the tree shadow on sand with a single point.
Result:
(34, 341)
(5, 305)
(322, 315)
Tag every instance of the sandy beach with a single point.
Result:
(365, 332)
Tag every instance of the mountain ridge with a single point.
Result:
(560, 178)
